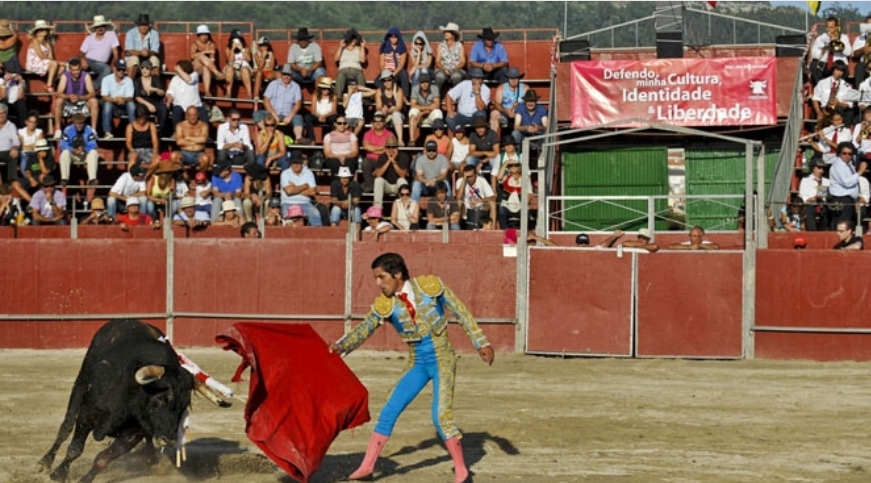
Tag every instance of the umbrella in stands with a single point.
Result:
(300, 396)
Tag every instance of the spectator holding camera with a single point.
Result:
(238, 63)
(234, 141)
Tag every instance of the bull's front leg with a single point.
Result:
(121, 445)
(74, 450)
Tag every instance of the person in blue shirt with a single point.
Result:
(78, 145)
(531, 119)
(226, 186)
(490, 56)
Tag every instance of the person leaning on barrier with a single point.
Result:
(250, 230)
(847, 238)
(696, 242)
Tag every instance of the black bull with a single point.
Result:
(130, 386)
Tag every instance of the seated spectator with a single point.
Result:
(99, 50)
(696, 242)
(430, 171)
(148, 92)
(202, 191)
(376, 226)
(475, 196)
(531, 119)
(117, 97)
(190, 137)
(11, 211)
(830, 136)
(450, 57)
(350, 58)
(490, 56)
(75, 95)
(273, 215)
(442, 209)
(508, 154)
(324, 108)
(10, 145)
(420, 57)
(510, 184)
(443, 138)
(9, 47)
(250, 230)
(270, 150)
(38, 165)
(484, 145)
(40, 54)
(406, 212)
(184, 92)
(425, 103)
(642, 241)
(813, 190)
(48, 205)
(374, 145)
(204, 58)
(264, 65)
(141, 140)
(792, 216)
(862, 139)
(344, 193)
(393, 57)
(234, 141)
(845, 97)
(188, 215)
(485, 223)
(229, 215)
(130, 186)
(460, 148)
(353, 104)
(134, 217)
(306, 58)
(298, 187)
(257, 190)
(389, 172)
(13, 90)
(238, 63)
(78, 146)
(98, 215)
(340, 148)
(227, 185)
(283, 100)
(847, 238)
(159, 189)
(141, 44)
(294, 217)
(389, 101)
(467, 100)
(507, 98)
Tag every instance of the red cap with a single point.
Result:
(800, 241)
(200, 176)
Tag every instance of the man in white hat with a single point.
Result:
(99, 50)
(141, 43)
(345, 193)
(188, 215)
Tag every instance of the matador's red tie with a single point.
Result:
(404, 297)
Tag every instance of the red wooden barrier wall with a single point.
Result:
(580, 302)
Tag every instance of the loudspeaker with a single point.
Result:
(669, 45)
(790, 45)
(572, 50)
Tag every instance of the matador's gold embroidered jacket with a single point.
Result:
(431, 297)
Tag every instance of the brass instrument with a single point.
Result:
(836, 44)
(866, 57)
(830, 106)
(866, 131)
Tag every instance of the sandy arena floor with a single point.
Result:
(526, 419)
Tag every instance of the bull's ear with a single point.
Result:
(148, 374)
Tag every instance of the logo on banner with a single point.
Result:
(758, 89)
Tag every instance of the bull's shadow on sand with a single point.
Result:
(338, 467)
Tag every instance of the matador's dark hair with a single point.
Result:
(391, 263)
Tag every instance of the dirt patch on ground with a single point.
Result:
(526, 419)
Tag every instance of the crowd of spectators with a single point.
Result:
(435, 123)
(836, 189)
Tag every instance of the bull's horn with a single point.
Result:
(148, 374)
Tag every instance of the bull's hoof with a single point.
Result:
(59, 474)
(44, 464)
(224, 404)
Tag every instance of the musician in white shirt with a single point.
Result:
(845, 96)
(822, 48)
(829, 137)
(813, 190)
(861, 51)
(862, 138)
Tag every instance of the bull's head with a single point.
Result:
(167, 395)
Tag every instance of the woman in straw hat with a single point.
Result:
(204, 55)
(40, 54)
(325, 105)
(450, 56)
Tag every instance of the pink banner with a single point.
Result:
(736, 91)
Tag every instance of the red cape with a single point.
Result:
(300, 396)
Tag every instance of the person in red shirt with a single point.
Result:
(134, 218)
